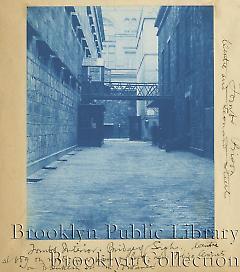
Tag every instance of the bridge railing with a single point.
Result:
(141, 89)
(121, 91)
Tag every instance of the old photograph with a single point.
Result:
(120, 122)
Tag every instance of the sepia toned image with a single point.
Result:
(120, 122)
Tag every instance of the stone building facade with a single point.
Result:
(58, 39)
(147, 65)
(186, 73)
(119, 54)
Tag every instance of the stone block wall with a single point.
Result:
(54, 25)
(185, 57)
(51, 112)
(54, 58)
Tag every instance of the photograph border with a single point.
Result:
(18, 254)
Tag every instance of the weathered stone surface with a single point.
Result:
(185, 41)
(54, 26)
(110, 185)
(52, 101)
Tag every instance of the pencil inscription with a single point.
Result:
(117, 255)
(230, 118)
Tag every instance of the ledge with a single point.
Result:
(39, 164)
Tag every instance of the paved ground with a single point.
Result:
(124, 183)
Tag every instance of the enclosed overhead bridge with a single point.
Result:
(123, 91)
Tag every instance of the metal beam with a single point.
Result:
(142, 89)
(122, 91)
(121, 97)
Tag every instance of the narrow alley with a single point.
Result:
(123, 182)
(120, 119)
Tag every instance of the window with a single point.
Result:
(188, 42)
(133, 24)
(130, 57)
(126, 24)
(177, 52)
(111, 49)
(109, 30)
(169, 66)
(109, 54)
(162, 69)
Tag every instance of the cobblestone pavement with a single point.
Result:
(124, 183)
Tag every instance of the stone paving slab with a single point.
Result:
(124, 183)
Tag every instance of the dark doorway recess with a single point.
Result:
(134, 128)
(91, 125)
